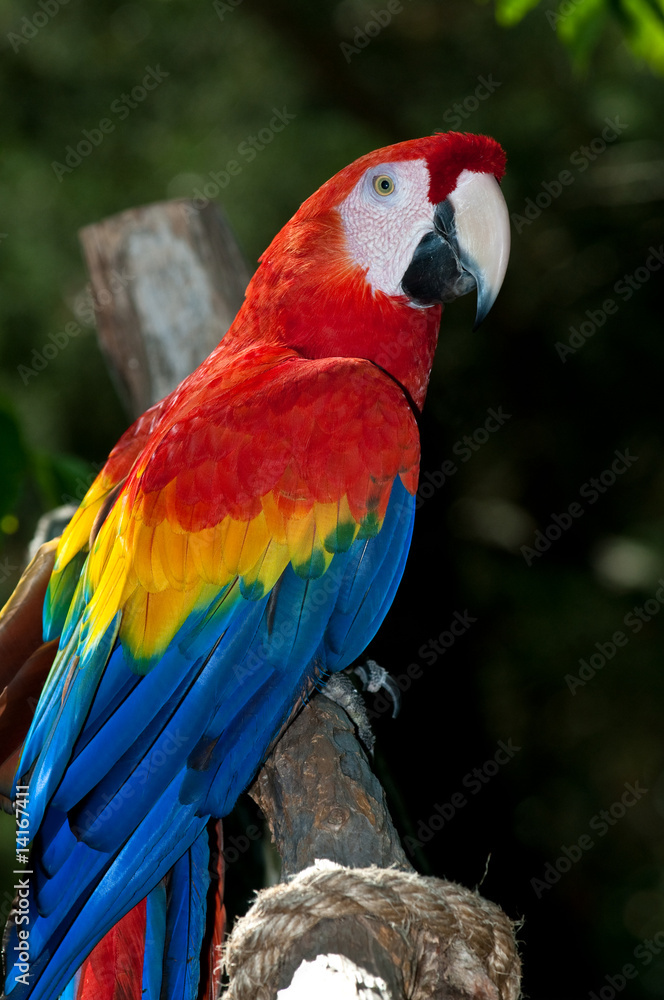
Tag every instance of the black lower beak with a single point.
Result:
(436, 274)
(467, 248)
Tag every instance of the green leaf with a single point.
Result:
(581, 29)
(581, 23)
(509, 12)
(656, 8)
(645, 33)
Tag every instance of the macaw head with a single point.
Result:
(425, 218)
(366, 263)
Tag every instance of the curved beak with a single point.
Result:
(468, 247)
(483, 235)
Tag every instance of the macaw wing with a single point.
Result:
(25, 656)
(92, 512)
(255, 546)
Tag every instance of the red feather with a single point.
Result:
(211, 954)
(114, 968)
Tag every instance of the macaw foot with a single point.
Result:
(341, 690)
(374, 677)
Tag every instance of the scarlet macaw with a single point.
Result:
(244, 540)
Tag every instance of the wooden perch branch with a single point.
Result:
(408, 936)
(321, 798)
(166, 283)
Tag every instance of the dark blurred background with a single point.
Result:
(565, 832)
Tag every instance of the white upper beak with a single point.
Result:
(482, 226)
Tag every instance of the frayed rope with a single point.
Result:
(444, 923)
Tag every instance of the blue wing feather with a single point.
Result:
(155, 940)
(186, 923)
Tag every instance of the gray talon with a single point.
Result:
(340, 689)
(375, 677)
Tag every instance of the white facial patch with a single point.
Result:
(383, 230)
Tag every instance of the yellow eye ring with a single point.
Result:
(383, 184)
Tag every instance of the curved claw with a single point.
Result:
(374, 678)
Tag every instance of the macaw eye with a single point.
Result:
(383, 184)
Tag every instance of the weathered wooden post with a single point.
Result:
(166, 282)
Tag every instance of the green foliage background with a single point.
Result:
(65, 67)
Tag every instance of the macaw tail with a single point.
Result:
(114, 970)
(210, 984)
(168, 945)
